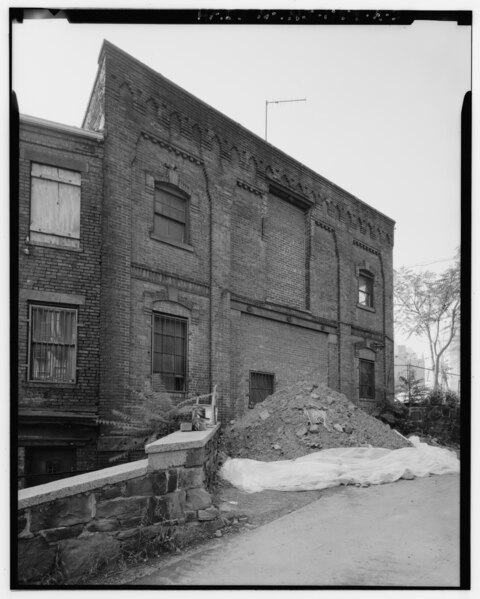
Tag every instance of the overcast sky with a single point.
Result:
(382, 116)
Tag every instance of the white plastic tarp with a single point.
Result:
(342, 466)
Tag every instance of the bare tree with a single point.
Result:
(428, 305)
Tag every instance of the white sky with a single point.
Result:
(382, 117)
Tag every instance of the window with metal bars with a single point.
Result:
(365, 289)
(367, 379)
(53, 344)
(170, 352)
(262, 384)
(171, 214)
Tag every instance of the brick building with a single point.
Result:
(223, 260)
(60, 197)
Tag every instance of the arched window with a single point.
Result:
(170, 221)
(365, 288)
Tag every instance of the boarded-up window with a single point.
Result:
(170, 351)
(261, 386)
(53, 341)
(55, 206)
(170, 218)
(367, 379)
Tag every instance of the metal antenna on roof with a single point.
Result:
(267, 102)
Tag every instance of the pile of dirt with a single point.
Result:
(303, 418)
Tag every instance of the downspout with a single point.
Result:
(339, 335)
(384, 301)
(210, 266)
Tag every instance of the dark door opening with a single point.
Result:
(45, 464)
(262, 384)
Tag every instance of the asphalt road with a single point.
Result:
(398, 534)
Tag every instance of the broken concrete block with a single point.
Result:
(276, 446)
(209, 514)
(338, 427)
(198, 499)
(264, 414)
(314, 428)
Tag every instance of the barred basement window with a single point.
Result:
(171, 214)
(53, 344)
(367, 379)
(262, 385)
(365, 289)
(55, 206)
(170, 351)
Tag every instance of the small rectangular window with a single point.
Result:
(170, 218)
(55, 206)
(367, 379)
(262, 385)
(365, 289)
(46, 464)
(169, 351)
(53, 344)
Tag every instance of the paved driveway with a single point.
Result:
(398, 534)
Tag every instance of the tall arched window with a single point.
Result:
(365, 288)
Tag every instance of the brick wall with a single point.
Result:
(286, 241)
(58, 270)
(288, 352)
(245, 241)
(59, 275)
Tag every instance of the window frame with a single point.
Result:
(252, 404)
(369, 277)
(174, 318)
(57, 308)
(54, 239)
(371, 385)
(178, 193)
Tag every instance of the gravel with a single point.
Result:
(302, 418)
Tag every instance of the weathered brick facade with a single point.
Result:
(267, 275)
(61, 415)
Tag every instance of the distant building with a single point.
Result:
(407, 363)
(165, 242)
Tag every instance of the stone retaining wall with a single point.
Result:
(69, 529)
(441, 421)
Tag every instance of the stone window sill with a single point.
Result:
(53, 246)
(177, 244)
(367, 308)
(49, 384)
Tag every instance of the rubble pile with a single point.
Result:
(303, 418)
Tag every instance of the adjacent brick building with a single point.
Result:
(60, 200)
(223, 260)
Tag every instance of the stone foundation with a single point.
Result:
(71, 528)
